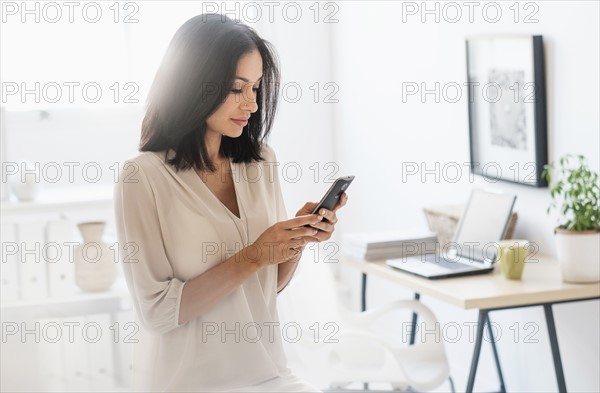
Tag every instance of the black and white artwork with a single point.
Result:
(507, 116)
(507, 109)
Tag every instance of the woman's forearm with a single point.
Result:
(203, 292)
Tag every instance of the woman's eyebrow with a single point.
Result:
(246, 80)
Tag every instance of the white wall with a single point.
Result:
(374, 52)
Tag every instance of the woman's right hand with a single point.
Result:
(277, 244)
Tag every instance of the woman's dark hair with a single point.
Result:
(194, 79)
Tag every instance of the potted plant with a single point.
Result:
(575, 192)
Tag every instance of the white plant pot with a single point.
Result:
(579, 255)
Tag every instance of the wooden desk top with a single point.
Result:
(541, 283)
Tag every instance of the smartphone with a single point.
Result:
(331, 197)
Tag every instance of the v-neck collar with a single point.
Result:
(191, 178)
(237, 196)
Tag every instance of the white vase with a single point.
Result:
(25, 184)
(95, 268)
(579, 255)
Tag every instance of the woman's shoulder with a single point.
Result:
(267, 152)
(147, 159)
(146, 162)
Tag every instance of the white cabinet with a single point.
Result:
(55, 336)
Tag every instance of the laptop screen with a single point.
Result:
(483, 224)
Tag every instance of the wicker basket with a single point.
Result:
(442, 220)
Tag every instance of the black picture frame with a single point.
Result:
(507, 108)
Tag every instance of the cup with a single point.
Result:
(512, 254)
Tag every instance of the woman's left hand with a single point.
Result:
(327, 225)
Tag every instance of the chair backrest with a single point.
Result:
(339, 344)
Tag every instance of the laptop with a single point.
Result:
(473, 249)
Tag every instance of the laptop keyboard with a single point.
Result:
(442, 262)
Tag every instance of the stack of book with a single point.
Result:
(371, 246)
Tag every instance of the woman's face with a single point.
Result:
(232, 116)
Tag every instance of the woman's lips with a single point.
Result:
(240, 122)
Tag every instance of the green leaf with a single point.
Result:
(576, 189)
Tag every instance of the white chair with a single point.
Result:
(340, 345)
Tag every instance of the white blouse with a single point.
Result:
(172, 228)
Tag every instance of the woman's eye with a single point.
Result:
(239, 91)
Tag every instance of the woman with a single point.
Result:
(201, 219)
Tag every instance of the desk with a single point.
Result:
(541, 285)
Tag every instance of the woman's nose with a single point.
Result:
(249, 101)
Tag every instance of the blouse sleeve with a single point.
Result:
(156, 293)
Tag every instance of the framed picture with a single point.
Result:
(507, 108)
